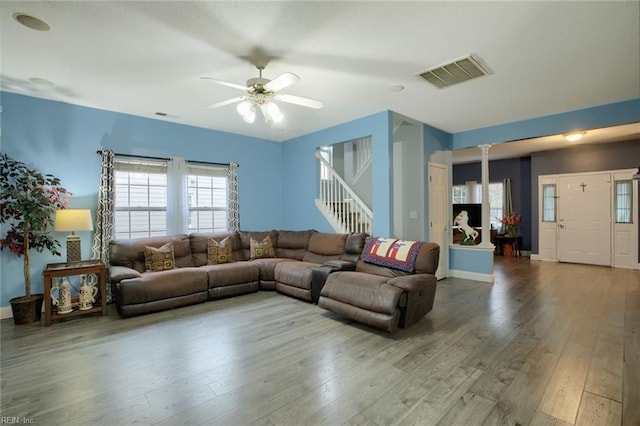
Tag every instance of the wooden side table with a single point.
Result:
(84, 267)
(514, 242)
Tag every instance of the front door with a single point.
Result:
(439, 215)
(584, 219)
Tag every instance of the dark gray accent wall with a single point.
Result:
(577, 159)
(516, 169)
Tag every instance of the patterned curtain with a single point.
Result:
(507, 202)
(104, 214)
(233, 215)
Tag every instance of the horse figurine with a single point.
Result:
(462, 220)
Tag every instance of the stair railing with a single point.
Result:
(363, 155)
(349, 210)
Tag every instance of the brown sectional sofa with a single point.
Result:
(303, 261)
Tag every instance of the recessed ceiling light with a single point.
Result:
(574, 136)
(396, 88)
(41, 81)
(31, 22)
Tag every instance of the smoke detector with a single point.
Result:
(454, 72)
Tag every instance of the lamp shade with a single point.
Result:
(70, 220)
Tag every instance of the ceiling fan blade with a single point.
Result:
(225, 83)
(281, 81)
(298, 100)
(227, 102)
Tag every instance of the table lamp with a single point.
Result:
(71, 220)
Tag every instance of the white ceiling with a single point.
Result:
(146, 57)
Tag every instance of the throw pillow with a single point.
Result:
(159, 259)
(219, 252)
(262, 249)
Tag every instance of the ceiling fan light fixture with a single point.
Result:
(247, 110)
(574, 136)
(273, 113)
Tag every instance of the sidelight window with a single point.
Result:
(549, 205)
(624, 201)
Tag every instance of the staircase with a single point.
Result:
(363, 157)
(339, 204)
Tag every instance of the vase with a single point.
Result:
(511, 231)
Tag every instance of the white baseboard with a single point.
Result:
(5, 312)
(476, 276)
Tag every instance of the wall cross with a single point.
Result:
(583, 185)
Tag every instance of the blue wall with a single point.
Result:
(300, 174)
(588, 118)
(62, 139)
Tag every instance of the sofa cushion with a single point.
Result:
(267, 267)
(262, 249)
(226, 274)
(370, 292)
(245, 240)
(159, 259)
(219, 252)
(152, 286)
(200, 244)
(293, 244)
(324, 247)
(353, 247)
(296, 274)
(130, 253)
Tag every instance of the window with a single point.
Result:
(140, 199)
(207, 192)
(461, 194)
(496, 196)
(140, 208)
(624, 201)
(549, 203)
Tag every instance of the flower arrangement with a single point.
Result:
(510, 222)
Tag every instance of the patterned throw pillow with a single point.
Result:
(262, 249)
(219, 252)
(159, 259)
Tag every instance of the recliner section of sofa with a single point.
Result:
(384, 297)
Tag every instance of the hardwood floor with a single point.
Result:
(545, 344)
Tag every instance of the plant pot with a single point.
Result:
(26, 311)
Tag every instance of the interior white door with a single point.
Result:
(439, 214)
(584, 219)
(548, 217)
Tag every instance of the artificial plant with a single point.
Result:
(28, 202)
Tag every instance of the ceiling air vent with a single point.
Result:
(454, 72)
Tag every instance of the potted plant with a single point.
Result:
(28, 202)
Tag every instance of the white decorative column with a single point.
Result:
(486, 228)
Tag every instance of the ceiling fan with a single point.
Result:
(260, 94)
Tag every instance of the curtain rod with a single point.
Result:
(145, 157)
